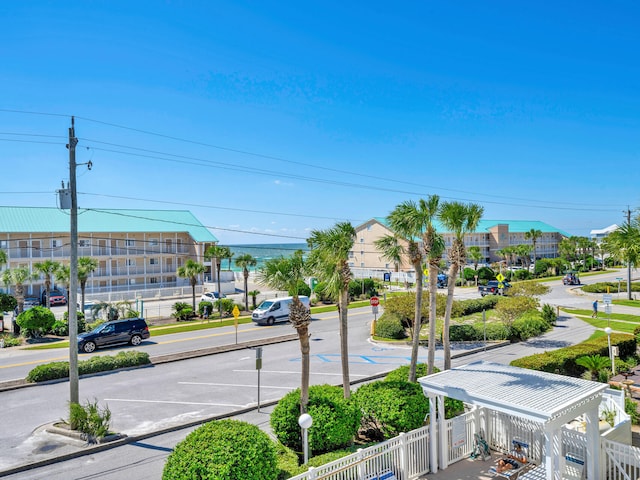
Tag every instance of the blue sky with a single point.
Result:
(268, 119)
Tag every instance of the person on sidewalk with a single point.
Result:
(595, 309)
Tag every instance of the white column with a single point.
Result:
(443, 443)
(433, 438)
(593, 444)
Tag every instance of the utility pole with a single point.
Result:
(628, 263)
(73, 271)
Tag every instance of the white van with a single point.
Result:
(276, 310)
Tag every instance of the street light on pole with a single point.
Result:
(305, 421)
(613, 365)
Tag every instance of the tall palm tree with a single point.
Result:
(392, 249)
(17, 277)
(86, 266)
(329, 261)
(624, 243)
(523, 252)
(475, 255)
(191, 270)
(228, 255)
(63, 275)
(287, 274)
(216, 253)
(48, 268)
(245, 261)
(459, 219)
(533, 235)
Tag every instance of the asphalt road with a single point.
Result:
(146, 400)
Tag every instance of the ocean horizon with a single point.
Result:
(263, 252)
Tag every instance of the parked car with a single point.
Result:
(211, 296)
(30, 302)
(57, 298)
(493, 288)
(129, 330)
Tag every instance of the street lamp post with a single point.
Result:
(613, 365)
(305, 421)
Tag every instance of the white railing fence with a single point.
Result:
(619, 461)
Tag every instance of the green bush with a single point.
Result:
(60, 328)
(182, 311)
(201, 307)
(521, 275)
(391, 407)
(303, 289)
(404, 306)
(631, 408)
(36, 321)
(223, 450)
(356, 288)
(402, 373)
(464, 332)
(335, 419)
(56, 370)
(531, 324)
(82, 324)
(475, 305)
(563, 360)
(469, 274)
(510, 308)
(319, 290)
(10, 340)
(227, 305)
(8, 303)
(485, 274)
(389, 325)
(549, 314)
(606, 287)
(90, 420)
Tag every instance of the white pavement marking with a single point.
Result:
(233, 385)
(175, 403)
(287, 372)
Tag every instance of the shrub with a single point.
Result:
(605, 287)
(223, 450)
(82, 324)
(9, 340)
(631, 408)
(362, 287)
(227, 305)
(56, 370)
(549, 314)
(510, 308)
(203, 305)
(389, 325)
(36, 321)
(391, 407)
(521, 275)
(90, 420)
(303, 289)
(60, 328)
(8, 303)
(335, 419)
(402, 373)
(530, 324)
(485, 274)
(528, 289)
(404, 306)
(475, 305)
(182, 311)
(469, 274)
(319, 290)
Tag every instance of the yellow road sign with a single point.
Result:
(235, 311)
(500, 277)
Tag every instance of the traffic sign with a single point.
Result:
(500, 277)
(374, 310)
(606, 298)
(235, 311)
(374, 301)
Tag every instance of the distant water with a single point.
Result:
(263, 252)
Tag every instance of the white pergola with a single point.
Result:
(545, 398)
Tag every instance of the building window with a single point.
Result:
(131, 262)
(369, 228)
(84, 243)
(130, 242)
(351, 264)
(361, 252)
(153, 280)
(362, 240)
(132, 281)
(54, 244)
(153, 242)
(362, 264)
(3, 244)
(154, 261)
(351, 254)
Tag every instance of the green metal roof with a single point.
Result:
(486, 225)
(43, 219)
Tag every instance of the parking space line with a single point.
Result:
(130, 400)
(288, 372)
(233, 385)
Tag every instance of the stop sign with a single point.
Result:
(374, 301)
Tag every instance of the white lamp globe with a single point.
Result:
(305, 421)
(608, 331)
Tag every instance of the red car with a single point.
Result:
(57, 298)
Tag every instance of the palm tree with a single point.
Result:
(475, 255)
(216, 253)
(329, 261)
(523, 251)
(594, 364)
(245, 261)
(86, 266)
(228, 255)
(63, 275)
(459, 219)
(48, 268)
(254, 294)
(191, 270)
(287, 274)
(392, 249)
(533, 235)
(3, 257)
(624, 243)
(17, 277)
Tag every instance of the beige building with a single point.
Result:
(491, 236)
(135, 249)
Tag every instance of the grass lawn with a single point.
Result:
(619, 322)
(627, 303)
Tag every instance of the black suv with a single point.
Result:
(129, 330)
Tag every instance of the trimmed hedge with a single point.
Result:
(389, 325)
(56, 370)
(563, 360)
(223, 450)
(335, 419)
(391, 407)
(606, 287)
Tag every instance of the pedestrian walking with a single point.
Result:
(595, 309)
(205, 313)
